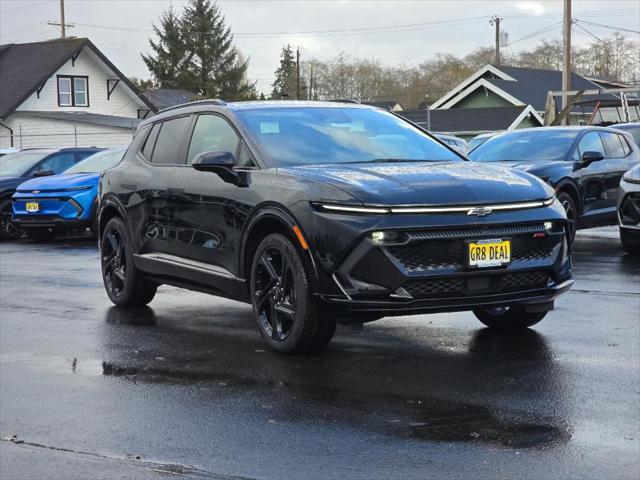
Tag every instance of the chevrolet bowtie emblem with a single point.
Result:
(480, 211)
(35, 192)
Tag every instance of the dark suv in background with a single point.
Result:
(316, 212)
(583, 164)
(18, 167)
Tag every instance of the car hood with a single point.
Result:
(10, 183)
(428, 183)
(530, 165)
(61, 182)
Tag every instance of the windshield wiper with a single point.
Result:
(389, 160)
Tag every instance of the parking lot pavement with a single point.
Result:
(186, 387)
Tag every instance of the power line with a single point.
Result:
(14, 9)
(536, 33)
(607, 26)
(604, 42)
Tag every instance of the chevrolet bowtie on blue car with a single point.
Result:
(16, 168)
(322, 212)
(43, 207)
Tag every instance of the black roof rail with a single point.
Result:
(211, 101)
(345, 100)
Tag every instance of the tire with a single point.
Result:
(286, 311)
(571, 210)
(42, 234)
(630, 241)
(124, 283)
(508, 318)
(8, 229)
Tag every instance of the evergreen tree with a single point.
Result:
(214, 68)
(284, 85)
(170, 54)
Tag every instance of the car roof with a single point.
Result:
(626, 124)
(219, 105)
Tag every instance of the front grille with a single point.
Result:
(432, 255)
(477, 231)
(483, 284)
(431, 251)
(630, 209)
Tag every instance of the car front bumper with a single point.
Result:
(629, 206)
(59, 210)
(424, 268)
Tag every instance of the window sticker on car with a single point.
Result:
(269, 127)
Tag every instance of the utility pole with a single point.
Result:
(566, 57)
(298, 73)
(62, 32)
(62, 23)
(495, 20)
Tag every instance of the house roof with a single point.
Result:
(168, 97)
(386, 105)
(24, 67)
(88, 118)
(527, 85)
(468, 119)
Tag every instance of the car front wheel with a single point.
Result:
(572, 212)
(508, 318)
(124, 283)
(630, 241)
(8, 229)
(286, 311)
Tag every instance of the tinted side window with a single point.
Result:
(625, 145)
(57, 163)
(168, 148)
(613, 145)
(212, 134)
(591, 142)
(147, 150)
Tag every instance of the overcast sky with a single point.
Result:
(393, 31)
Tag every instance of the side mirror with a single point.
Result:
(44, 173)
(220, 163)
(590, 157)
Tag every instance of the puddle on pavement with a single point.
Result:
(435, 420)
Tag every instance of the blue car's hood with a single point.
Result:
(428, 183)
(60, 182)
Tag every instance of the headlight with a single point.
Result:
(75, 189)
(630, 178)
(351, 209)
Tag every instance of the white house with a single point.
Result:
(65, 93)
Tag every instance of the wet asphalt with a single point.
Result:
(186, 389)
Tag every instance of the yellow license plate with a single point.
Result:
(489, 253)
(33, 207)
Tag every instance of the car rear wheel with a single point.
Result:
(508, 318)
(630, 241)
(42, 234)
(572, 212)
(8, 229)
(124, 283)
(286, 312)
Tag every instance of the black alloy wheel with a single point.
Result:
(572, 212)
(124, 284)
(508, 318)
(114, 262)
(8, 229)
(286, 312)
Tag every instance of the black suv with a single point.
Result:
(323, 212)
(18, 167)
(583, 164)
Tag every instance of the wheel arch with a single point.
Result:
(109, 209)
(267, 220)
(569, 186)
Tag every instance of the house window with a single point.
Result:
(73, 91)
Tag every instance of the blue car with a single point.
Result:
(18, 167)
(43, 207)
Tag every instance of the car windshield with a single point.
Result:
(98, 162)
(543, 145)
(19, 163)
(634, 130)
(325, 135)
(479, 140)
